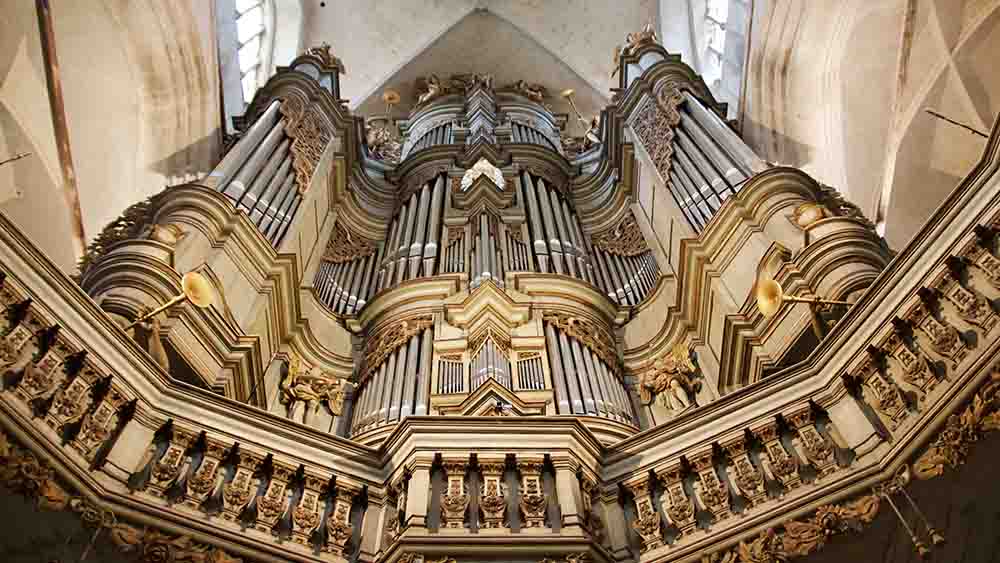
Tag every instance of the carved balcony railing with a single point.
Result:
(85, 399)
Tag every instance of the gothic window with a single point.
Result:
(724, 48)
(250, 35)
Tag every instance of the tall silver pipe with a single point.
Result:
(600, 393)
(556, 368)
(711, 151)
(434, 228)
(572, 377)
(712, 183)
(406, 237)
(248, 200)
(385, 387)
(583, 377)
(412, 370)
(617, 263)
(746, 159)
(573, 229)
(262, 205)
(392, 376)
(419, 237)
(256, 161)
(484, 247)
(334, 296)
(616, 283)
(392, 251)
(564, 240)
(236, 156)
(685, 187)
(537, 230)
(403, 372)
(614, 411)
(555, 247)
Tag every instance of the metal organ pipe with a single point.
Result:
(549, 221)
(567, 246)
(538, 232)
(422, 383)
(405, 238)
(236, 156)
(747, 161)
(431, 247)
(417, 246)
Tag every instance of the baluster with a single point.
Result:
(647, 519)
(749, 480)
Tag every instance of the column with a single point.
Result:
(374, 523)
(568, 493)
(418, 492)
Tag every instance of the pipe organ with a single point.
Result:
(382, 313)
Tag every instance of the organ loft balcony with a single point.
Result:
(477, 322)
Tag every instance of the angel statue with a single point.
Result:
(433, 89)
(671, 380)
(310, 387)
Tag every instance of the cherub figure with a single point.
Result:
(671, 380)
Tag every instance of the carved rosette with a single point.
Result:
(533, 501)
(818, 450)
(493, 495)
(647, 519)
(655, 125)
(748, 479)
(781, 466)
(678, 507)
(205, 480)
(393, 336)
(237, 493)
(307, 513)
(338, 525)
(711, 491)
(345, 246)
(624, 239)
(310, 134)
(589, 333)
(454, 498)
(271, 506)
(943, 337)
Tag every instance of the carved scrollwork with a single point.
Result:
(798, 538)
(128, 226)
(589, 333)
(310, 134)
(309, 385)
(345, 246)
(398, 333)
(655, 123)
(624, 239)
(951, 446)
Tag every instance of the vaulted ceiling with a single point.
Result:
(557, 44)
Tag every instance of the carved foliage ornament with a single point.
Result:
(951, 446)
(345, 246)
(655, 124)
(589, 333)
(128, 226)
(624, 239)
(23, 473)
(310, 134)
(398, 333)
(304, 384)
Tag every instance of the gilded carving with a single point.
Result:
(671, 380)
(678, 507)
(382, 144)
(777, 461)
(943, 337)
(128, 226)
(712, 492)
(397, 334)
(799, 538)
(493, 495)
(589, 333)
(272, 504)
(21, 472)
(534, 92)
(454, 499)
(310, 134)
(654, 125)
(624, 239)
(951, 446)
(326, 57)
(338, 526)
(647, 519)
(533, 501)
(310, 386)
